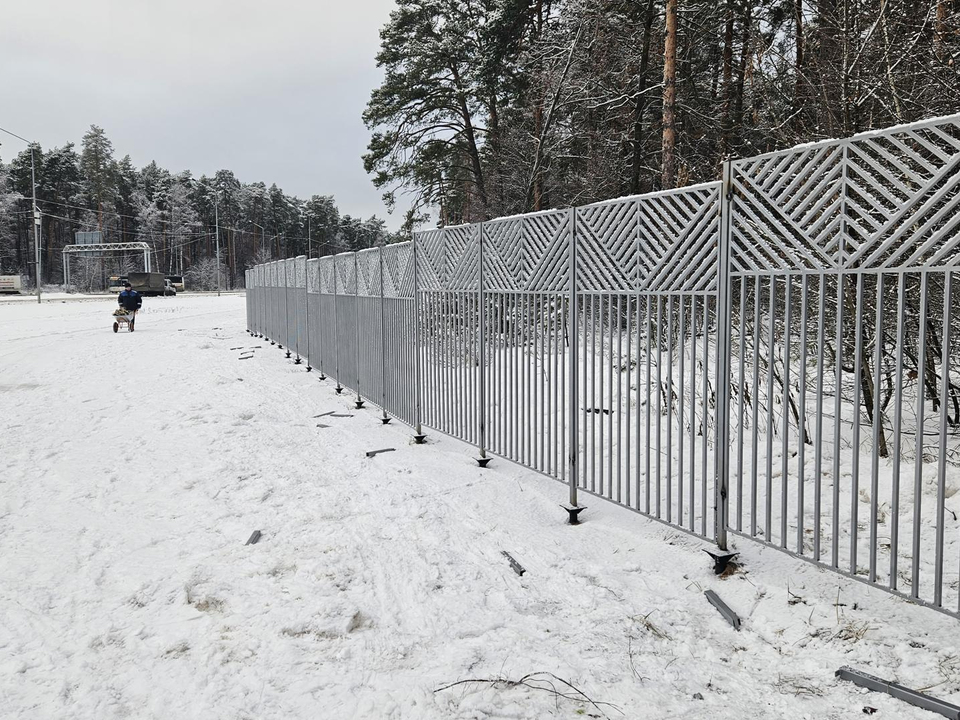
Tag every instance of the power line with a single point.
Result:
(18, 137)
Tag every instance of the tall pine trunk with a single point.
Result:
(641, 104)
(668, 161)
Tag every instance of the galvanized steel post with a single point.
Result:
(573, 342)
(320, 340)
(286, 310)
(383, 346)
(306, 312)
(482, 409)
(722, 453)
(418, 437)
(336, 328)
(356, 315)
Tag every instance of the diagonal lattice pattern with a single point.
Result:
(529, 252)
(679, 239)
(368, 272)
(328, 271)
(346, 269)
(398, 270)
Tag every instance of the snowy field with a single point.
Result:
(135, 467)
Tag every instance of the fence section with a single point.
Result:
(843, 258)
(773, 355)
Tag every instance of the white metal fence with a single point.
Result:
(771, 356)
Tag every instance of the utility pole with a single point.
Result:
(36, 210)
(216, 224)
(36, 219)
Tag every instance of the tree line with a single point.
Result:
(175, 213)
(496, 107)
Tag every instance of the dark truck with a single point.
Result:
(150, 283)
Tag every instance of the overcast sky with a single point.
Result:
(272, 90)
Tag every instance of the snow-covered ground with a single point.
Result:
(135, 467)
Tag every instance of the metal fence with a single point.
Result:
(770, 356)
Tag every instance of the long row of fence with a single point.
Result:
(770, 356)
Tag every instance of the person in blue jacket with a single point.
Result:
(130, 300)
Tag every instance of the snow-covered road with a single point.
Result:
(133, 468)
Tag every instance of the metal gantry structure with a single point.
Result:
(770, 357)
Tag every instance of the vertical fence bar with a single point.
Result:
(877, 428)
(837, 407)
(855, 464)
(918, 460)
(785, 406)
(897, 440)
(942, 450)
(802, 422)
(768, 484)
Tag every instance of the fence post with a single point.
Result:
(418, 436)
(336, 327)
(383, 346)
(724, 291)
(483, 460)
(286, 307)
(573, 508)
(320, 341)
(306, 311)
(356, 315)
(296, 310)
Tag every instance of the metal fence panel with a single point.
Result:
(399, 333)
(448, 273)
(647, 288)
(248, 298)
(329, 346)
(346, 316)
(298, 306)
(289, 299)
(369, 325)
(314, 328)
(526, 270)
(843, 316)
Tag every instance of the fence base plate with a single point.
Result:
(420, 439)
(483, 461)
(720, 562)
(574, 513)
(297, 361)
(359, 404)
(338, 389)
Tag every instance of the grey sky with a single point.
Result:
(272, 90)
